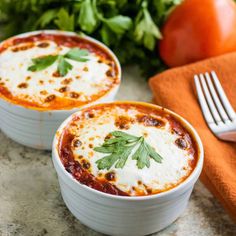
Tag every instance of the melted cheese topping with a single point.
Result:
(87, 81)
(166, 136)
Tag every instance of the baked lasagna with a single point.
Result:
(50, 71)
(127, 149)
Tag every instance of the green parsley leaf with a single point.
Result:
(65, 21)
(107, 162)
(63, 66)
(125, 136)
(108, 37)
(120, 147)
(142, 156)
(42, 63)
(146, 31)
(87, 18)
(46, 17)
(153, 153)
(118, 24)
(77, 54)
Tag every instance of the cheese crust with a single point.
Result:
(46, 89)
(91, 126)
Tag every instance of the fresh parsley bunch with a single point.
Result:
(129, 27)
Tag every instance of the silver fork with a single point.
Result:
(216, 108)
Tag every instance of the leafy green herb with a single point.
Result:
(87, 19)
(77, 54)
(46, 17)
(118, 24)
(42, 63)
(64, 66)
(146, 31)
(120, 147)
(64, 21)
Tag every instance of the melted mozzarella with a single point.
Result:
(158, 177)
(86, 78)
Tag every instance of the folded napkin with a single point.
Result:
(174, 89)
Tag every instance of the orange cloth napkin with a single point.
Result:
(174, 89)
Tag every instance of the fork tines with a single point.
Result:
(214, 103)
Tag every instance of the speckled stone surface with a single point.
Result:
(31, 204)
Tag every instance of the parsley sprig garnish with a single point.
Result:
(120, 147)
(64, 66)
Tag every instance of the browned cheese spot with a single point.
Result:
(74, 95)
(149, 191)
(43, 45)
(77, 143)
(43, 92)
(181, 143)
(110, 176)
(22, 85)
(63, 89)
(148, 120)
(176, 131)
(110, 73)
(56, 74)
(110, 63)
(28, 78)
(85, 164)
(22, 47)
(85, 69)
(66, 81)
(133, 188)
(123, 122)
(91, 115)
(108, 136)
(50, 98)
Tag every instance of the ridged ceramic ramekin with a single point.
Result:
(122, 215)
(36, 128)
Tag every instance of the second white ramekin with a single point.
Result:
(36, 128)
(119, 215)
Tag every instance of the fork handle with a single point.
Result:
(228, 136)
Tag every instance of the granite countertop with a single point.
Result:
(31, 204)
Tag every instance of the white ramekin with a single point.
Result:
(36, 128)
(118, 215)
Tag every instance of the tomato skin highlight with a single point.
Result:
(196, 30)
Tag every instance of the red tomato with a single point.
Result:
(198, 29)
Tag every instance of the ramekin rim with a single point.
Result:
(57, 31)
(194, 175)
